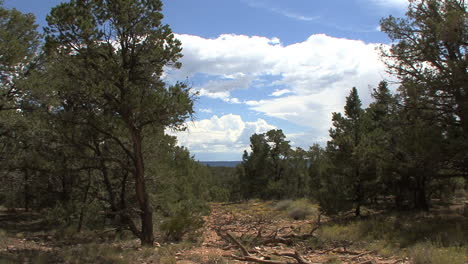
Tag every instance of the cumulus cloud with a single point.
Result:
(225, 134)
(314, 76)
(308, 66)
(229, 55)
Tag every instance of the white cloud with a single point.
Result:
(310, 81)
(281, 92)
(225, 134)
(314, 76)
(206, 110)
(223, 95)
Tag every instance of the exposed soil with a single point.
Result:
(246, 225)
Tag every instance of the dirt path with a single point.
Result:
(214, 249)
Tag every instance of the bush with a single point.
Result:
(180, 223)
(301, 209)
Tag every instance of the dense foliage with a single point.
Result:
(83, 120)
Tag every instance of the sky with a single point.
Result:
(268, 64)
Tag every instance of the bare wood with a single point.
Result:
(277, 240)
(247, 257)
(258, 260)
(362, 254)
(295, 255)
(245, 252)
(367, 262)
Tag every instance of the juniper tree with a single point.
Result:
(430, 55)
(113, 52)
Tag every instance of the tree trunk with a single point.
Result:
(26, 190)
(420, 199)
(357, 211)
(85, 200)
(146, 214)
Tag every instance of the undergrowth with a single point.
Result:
(426, 240)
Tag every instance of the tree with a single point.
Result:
(113, 53)
(19, 42)
(350, 172)
(254, 168)
(383, 130)
(278, 163)
(18, 47)
(430, 55)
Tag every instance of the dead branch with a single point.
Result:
(361, 254)
(258, 260)
(247, 257)
(367, 262)
(318, 223)
(245, 252)
(296, 256)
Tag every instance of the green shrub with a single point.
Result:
(180, 223)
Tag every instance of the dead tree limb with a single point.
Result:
(244, 251)
(246, 256)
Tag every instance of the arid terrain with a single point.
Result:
(254, 232)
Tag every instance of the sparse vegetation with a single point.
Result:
(430, 253)
(89, 173)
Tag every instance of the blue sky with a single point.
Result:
(264, 64)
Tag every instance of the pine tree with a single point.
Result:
(348, 176)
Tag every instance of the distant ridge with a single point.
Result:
(230, 164)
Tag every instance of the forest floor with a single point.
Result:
(244, 233)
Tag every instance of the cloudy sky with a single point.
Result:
(264, 64)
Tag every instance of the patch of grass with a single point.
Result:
(167, 260)
(298, 210)
(425, 239)
(403, 231)
(94, 253)
(209, 258)
(166, 254)
(332, 234)
(384, 248)
(3, 235)
(430, 253)
(283, 205)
